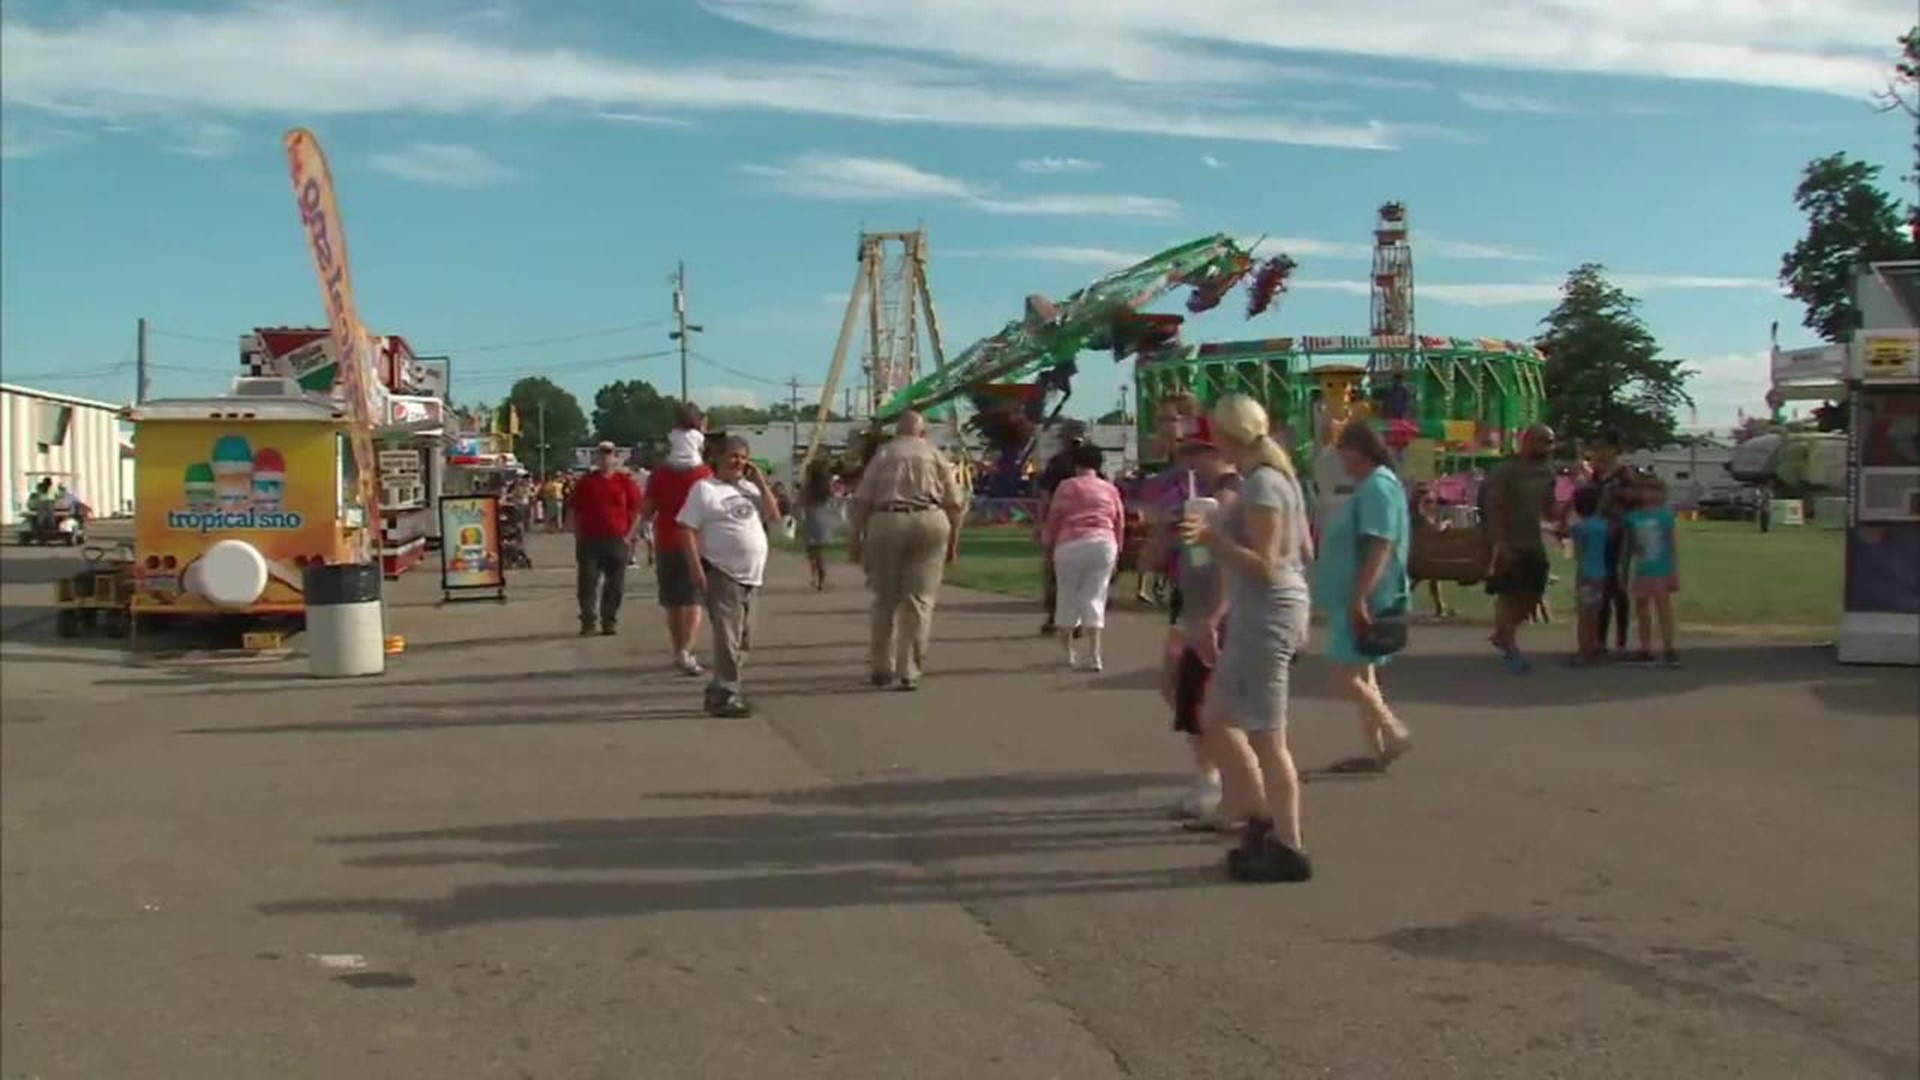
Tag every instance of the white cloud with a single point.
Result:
(205, 140)
(1095, 258)
(443, 165)
(1466, 249)
(1306, 247)
(1044, 166)
(644, 119)
(1510, 103)
(1212, 162)
(1727, 383)
(710, 396)
(373, 60)
(1540, 292)
(19, 141)
(842, 177)
(1833, 46)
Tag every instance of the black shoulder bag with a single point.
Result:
(1387, 632)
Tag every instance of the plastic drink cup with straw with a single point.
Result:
(1202, 507)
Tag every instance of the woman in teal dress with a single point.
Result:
(1361, 573)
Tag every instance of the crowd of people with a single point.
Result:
(1231, 526)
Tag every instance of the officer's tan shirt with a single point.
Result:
(909, 471)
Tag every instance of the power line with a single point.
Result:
(562, 340)
(69, 376)
(738, 374)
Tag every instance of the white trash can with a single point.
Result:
(346, 624)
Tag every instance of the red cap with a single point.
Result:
(1200, 436)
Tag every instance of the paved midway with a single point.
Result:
(521, 854)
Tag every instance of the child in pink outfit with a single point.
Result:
(1085, 526)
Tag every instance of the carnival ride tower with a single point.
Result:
(1392, 284)
(892, 304)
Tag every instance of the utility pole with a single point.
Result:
(141, 386)
(793, 424)
(543, 439)
(683, 328)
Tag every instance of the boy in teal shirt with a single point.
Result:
(1591, 535)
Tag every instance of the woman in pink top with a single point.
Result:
(1086, 523)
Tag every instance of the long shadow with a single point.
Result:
(994, 789)
(860, 847)
(454, 722)
(479, 905)
(1480, 681)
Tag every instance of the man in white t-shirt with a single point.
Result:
(727, 517)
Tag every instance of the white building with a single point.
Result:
(1689, 472)
(784, 443)
(79, 439)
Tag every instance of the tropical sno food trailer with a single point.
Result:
(236, 495)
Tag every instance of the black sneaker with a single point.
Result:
(733, 707)
(1273, 863)
(1048, 629)
(907, 686)
(607, 629)
(586, 627)
(1254, 835)
(881, 679)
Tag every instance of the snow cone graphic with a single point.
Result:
(232, 473)
(269, 479)
(200, 486)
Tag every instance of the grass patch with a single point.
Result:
(1734, 578)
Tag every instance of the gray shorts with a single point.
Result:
(1250, 684)
(673, 572)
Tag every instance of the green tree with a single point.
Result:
(551, 423)
(1604, 369)
(1850, 222)
(632, 412)
(721, 417)
(1902, 95)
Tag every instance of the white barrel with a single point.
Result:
(346, 623)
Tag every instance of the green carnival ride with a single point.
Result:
(1468, 397)
(1045, 344)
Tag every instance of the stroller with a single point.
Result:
(513, 537)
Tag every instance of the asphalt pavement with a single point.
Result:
(520, 853)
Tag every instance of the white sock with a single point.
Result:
(1094, 637)
(1066, 638)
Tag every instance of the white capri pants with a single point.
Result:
(1082, 570)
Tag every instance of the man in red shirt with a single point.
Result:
(606, 507)
(673, 567)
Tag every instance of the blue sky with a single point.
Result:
(519, 171)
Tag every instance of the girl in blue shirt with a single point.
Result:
(1652, 532)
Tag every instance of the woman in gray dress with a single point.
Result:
(816, 518)
(1263, 545)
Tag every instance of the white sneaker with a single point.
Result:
(690, 664)
(1201, 801)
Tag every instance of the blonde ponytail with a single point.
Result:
(1244, 421)
(1272, 453)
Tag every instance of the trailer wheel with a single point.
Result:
(66, 623)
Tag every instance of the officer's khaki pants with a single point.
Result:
(905, 557)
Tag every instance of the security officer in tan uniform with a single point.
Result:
(905, 528)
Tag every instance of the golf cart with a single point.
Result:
(53, 514)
